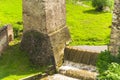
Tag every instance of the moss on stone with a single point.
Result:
(39, 47)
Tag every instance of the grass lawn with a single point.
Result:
(88, 27)
(11, 13)
(14, 64)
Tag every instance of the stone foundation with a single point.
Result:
(45, 32)
(38, 46)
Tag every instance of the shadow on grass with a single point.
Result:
(14, 64)
(93, 11)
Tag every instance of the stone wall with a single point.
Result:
(6, 35)
(115, 33)
(45, 32)
(3, 39)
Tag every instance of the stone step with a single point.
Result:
(79, 63)
(77, 73)
(58, 77)
(83, 54)
(81, 66)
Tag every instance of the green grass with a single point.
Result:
(10, 11)
(14, 64)
(88, 27)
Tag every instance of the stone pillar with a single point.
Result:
(45, 32)
(115, 32)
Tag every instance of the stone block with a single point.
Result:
(38, 46)
(45, 34)
(34, 16)
(44, 16)
(55, 15)
(58, 41)
(44, 49)
(6, 36)
(10, 33)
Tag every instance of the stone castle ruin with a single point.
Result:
(46, 36)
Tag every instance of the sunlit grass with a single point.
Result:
(14, 63)
(87, 26)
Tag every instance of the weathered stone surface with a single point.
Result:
(34, 15)
(3, 39)
(45, 34)
(58, 41)
(6, 36)
(10, 33)
(45, 16)
(77, 73)
(55, 15)
(39, 47)
(115, 33)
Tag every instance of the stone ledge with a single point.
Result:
(77, 73)
(83, 54)
(87, 48)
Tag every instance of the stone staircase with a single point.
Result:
(79, 63)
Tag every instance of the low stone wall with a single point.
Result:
(6, 35)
